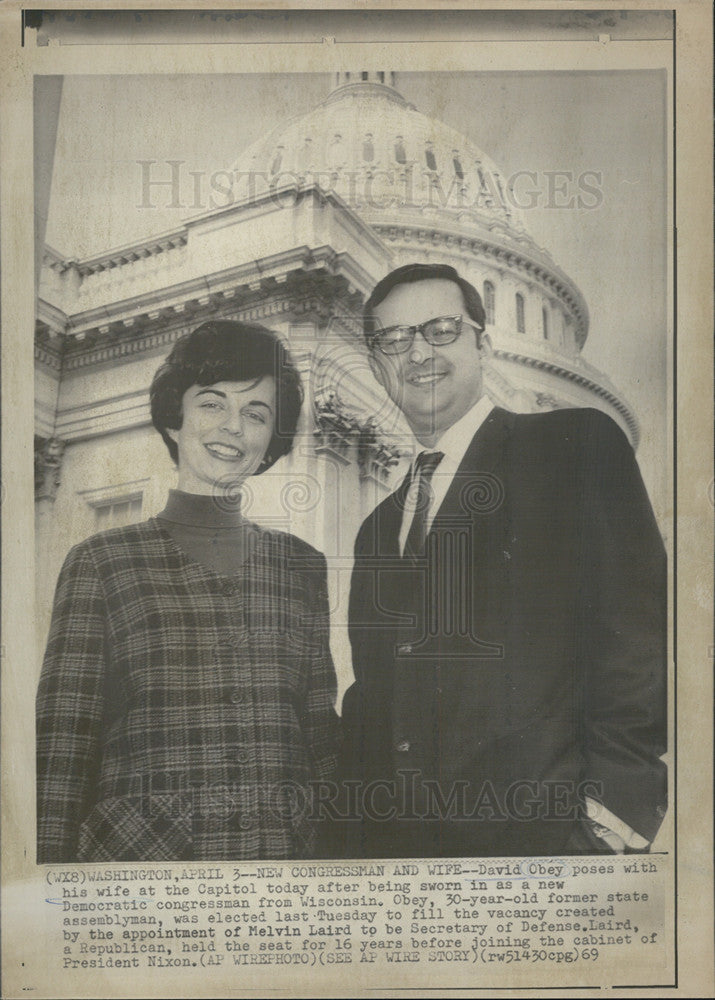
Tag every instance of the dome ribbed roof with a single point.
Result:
(380, 154)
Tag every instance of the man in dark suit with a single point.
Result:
(507, 613)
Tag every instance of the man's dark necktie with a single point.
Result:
(427, 462)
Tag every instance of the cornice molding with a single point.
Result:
(48, 356)
(244, 281)
(579, 379)
(314, 292)
(118, 256)
(530, 261)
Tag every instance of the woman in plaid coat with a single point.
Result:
(185, 708)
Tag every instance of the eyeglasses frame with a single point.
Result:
(420, 328)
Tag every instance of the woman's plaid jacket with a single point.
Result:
(182, 714)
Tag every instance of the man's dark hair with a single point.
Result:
(227, 351)
(422, 272)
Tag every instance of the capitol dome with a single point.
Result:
(430, 194)
(378, 152)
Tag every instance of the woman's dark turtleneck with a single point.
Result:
(210, 530)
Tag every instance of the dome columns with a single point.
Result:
(381, 77)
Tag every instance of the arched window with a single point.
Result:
(430, 157)
(520, 321)
(458, 171)
(368, 149)
(400, 151)
(545, 323)
(489, 302)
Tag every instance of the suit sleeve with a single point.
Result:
(354, 709)
(70, 708)
(338, 834)
(366, 750)
(623, 648)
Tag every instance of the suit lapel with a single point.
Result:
(389, 515)
(469, 540)
(478, 483)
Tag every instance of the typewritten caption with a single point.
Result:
(591, 914)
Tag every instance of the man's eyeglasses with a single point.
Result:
(437, 332)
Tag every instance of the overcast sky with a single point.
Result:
(612, 123)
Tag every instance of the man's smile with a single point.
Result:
(422, 379)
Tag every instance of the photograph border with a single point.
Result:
(688, 518)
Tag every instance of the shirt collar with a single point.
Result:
(457, 438)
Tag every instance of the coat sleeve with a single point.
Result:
(339, 837)
(623, 633)
(354, 714)
(70, 707)
(366, 751)
(350, 707)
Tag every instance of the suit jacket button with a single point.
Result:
(228, 589)
(242, 756)
(404, 649)
(402, 746)
(236, 696)
(248, 821)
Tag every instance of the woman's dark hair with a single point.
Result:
(227, 351)
(422, 272)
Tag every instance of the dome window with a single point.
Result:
(336, 152)
(520, 321)
(305, 153)
(545, 323)
(458, 169)
(368, 148)
(277, 160)
(430, 159)
(489, 302)
(400, 151)
(501, 189)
